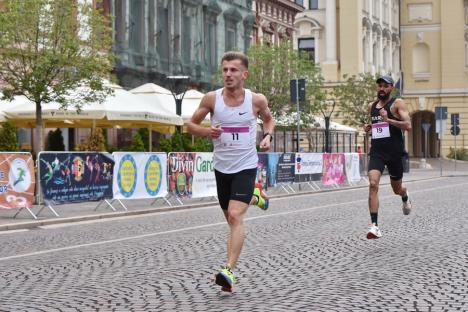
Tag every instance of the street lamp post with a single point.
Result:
(327, 110)
(178, 92)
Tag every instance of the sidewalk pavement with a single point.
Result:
(85, 211)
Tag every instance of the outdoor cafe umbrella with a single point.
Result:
(161, 97)
(120, 109)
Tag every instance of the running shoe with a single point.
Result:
(407, 205)
(226, 279)
(262, 202)
(374, 232)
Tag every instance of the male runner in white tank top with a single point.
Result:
(234, 112)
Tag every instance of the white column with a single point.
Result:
(317, 46)
(381, 54)
(330, 29)
(370, 59)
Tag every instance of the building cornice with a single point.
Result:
(414, 28)
(437, 92)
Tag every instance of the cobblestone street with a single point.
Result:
(306, 253)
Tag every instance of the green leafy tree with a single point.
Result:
(95, 142)
(50, 48)
(353, 97)
(55, 141)
(270, 72)
(183, 143)
(8, 138)
(137, 143)
(144, 134)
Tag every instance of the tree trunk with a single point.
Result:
(38, 145)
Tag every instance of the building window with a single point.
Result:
(120, 24)
(231, 35)
(137, 30)
(307, 45)
(421, 59)
(466, 12)
(313, 4)
(210, 45)
(466, 48)
(162, 35)
(186, 38)
(300, 2)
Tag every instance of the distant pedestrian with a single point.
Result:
(389, 118)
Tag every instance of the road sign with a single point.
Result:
(441, 112)
(295, 86)
(455, 119)
(455, 130)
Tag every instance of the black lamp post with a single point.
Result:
(327, 109)
(179, 84)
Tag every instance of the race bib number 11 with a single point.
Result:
(380, 130)
(235, 136)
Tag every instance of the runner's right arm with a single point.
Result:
(206, 107)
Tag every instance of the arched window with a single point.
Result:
(421, 60)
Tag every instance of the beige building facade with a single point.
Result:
(434, 36)
(350, 36)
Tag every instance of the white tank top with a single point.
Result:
(235, 149)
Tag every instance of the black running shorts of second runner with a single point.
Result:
(394, 166)
(235, 186)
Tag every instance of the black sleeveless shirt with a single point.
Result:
(391, 147)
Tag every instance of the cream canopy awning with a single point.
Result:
(161, 97)
(121, 109)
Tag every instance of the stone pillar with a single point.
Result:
(330, 66)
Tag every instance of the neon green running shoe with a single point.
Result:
(226, 279)
(262, 203)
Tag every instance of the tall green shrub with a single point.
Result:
(8, 138)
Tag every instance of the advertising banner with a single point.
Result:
(333, 169)
(180, 173)
(352, 167)
(17, 180)
(139, 175)
(308, 167)
(272, 168)
(262, 170)
(285, 171)
(75, 177)
(204, 181)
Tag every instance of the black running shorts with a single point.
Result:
(394, 166)
(235, 186)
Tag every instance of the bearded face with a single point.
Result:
(384, 91)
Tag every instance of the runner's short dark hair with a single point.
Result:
(234, 55)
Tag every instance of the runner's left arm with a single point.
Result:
(261, 106)
(402, 112)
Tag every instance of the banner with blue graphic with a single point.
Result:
(139, 175)
(75, 177)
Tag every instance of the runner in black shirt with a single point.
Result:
(389, 118)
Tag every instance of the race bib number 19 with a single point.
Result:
(235, 136)
(380, 130)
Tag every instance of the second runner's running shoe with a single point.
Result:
(374, 232)
(407, 205)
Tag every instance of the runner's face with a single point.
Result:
(234, 74)
(384, 90)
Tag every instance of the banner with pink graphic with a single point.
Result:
(333, 171)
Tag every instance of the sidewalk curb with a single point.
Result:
(109, 215)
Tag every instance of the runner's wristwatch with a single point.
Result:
(271, 137)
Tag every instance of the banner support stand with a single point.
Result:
(29, 210)
(48, 205)
(108, 203)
